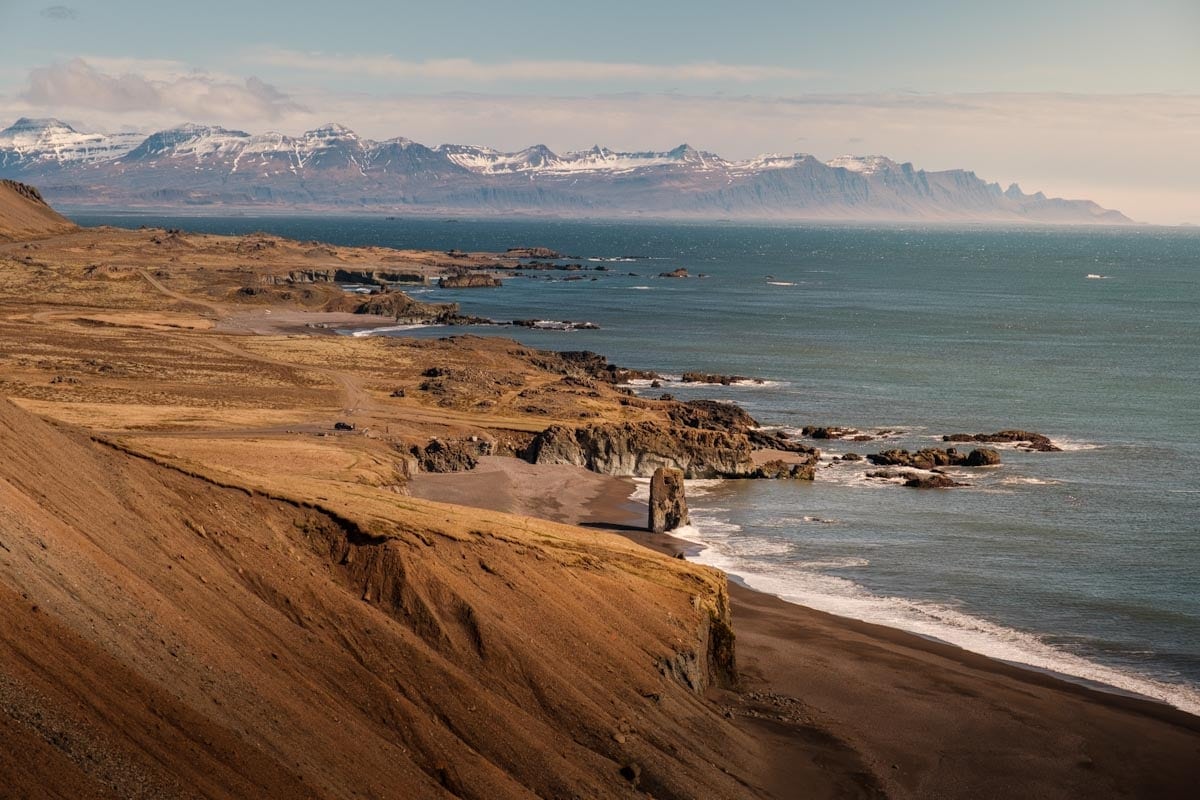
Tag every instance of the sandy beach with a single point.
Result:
(851, 709)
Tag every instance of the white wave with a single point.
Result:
(1075, 445)
(698, 487)
(805, 584)
(641, 288)
(390, 329)
(1016, 480)
(833, 563)
(852, 475)
(1094, 277)
(781, 283)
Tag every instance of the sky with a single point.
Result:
(1097, 99)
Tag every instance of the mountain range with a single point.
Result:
(332, 168)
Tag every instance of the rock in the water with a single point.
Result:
(934, 480)
(468, 281)
(668, 507)
(982, 457)
(1027, 440)
(675, 273)
(932, 457)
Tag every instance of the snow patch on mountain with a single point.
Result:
(864, 165)
(51, 140)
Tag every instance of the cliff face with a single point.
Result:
(638, 449)
(701, 438)
(162, 635)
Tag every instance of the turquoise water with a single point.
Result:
(1086, 562)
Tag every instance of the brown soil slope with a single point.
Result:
(25, 215)
(163, 636)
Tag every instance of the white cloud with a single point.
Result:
(78, 84)
(470, 71)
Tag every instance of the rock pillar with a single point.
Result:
(668, 508)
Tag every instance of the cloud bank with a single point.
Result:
(466, 70)
(78, 84)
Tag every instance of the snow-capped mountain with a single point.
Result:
(49, 141)
(332, 167)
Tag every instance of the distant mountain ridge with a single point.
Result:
(331, 167)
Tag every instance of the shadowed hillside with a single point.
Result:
(25, 215)
(165, 636)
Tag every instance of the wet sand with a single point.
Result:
(847, 708)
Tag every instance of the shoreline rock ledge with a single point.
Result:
(668, 506)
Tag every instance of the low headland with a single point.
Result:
(242, 557)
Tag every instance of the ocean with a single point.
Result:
(1084, 562)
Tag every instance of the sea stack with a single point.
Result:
(668, 508)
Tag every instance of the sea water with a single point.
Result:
(1085, 562)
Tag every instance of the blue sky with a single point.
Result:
(1097, 99)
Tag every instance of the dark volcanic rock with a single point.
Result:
(639, 448)
(456, 455)
(932, 457)
(668, 506)
(714, 416)
(778, 469)
(532, 252)
(1027, 440)
(778, 440)
(675, 273)
(724, 380)
(579, 363)
(918, 480)
(935, 480)
(828, 432)
(982, 457)
(469, 281)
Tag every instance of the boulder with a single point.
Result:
(675, 273)
(935, 480)
(982, 457)
(668, 507)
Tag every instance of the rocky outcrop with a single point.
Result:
(668, 506)
(639, 448)
(675, 273)
(584, 364)
(472, 280)
(532, 252)
(931, 458)
(918, 480)
(1026, 440)
(780, 440)
(827, 432)
(982, 457)
(451, 455)
(777, 469)
(713, 416)
(724, 380)
(397, 305)
(363, 276)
